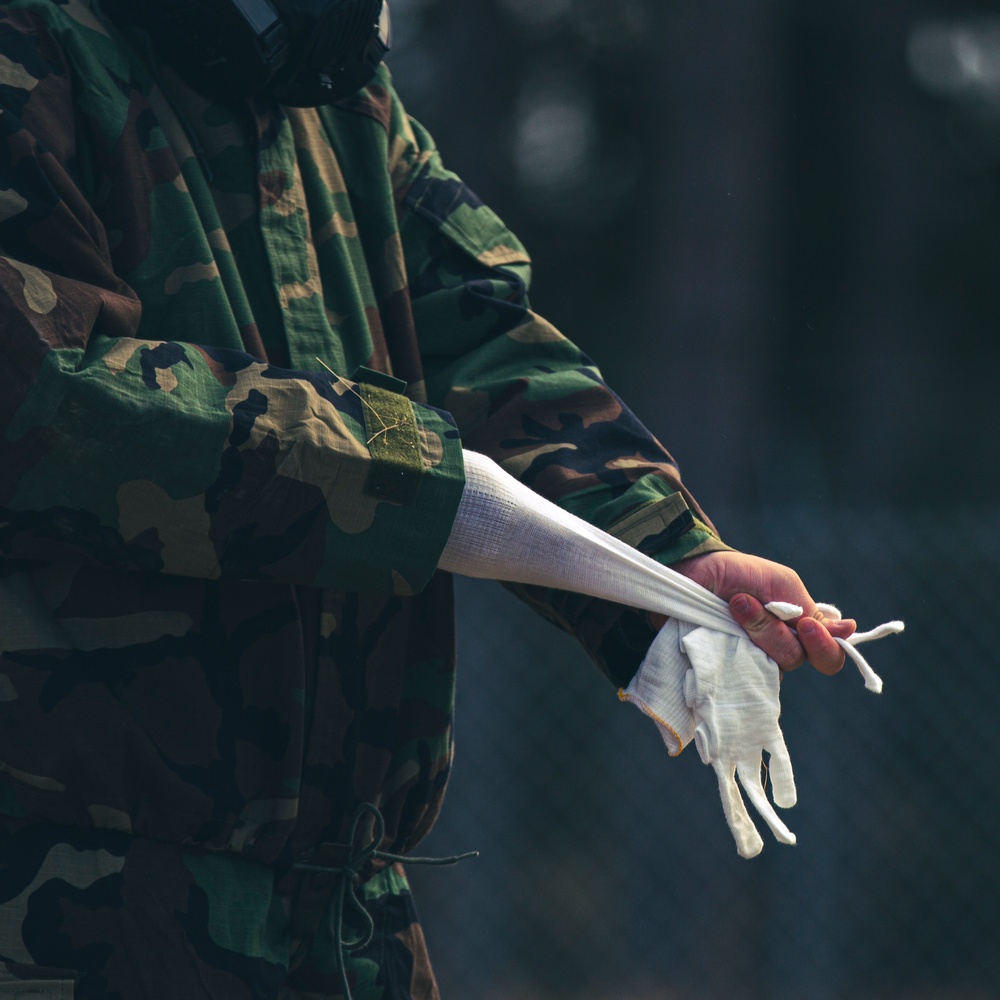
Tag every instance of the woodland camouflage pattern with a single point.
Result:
(220, 624)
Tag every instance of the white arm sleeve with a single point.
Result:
(505, 531)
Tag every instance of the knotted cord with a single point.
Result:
(345, 897)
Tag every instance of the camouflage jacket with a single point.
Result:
(241, 352)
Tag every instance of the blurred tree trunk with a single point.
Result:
(704, 383)
(476, 85)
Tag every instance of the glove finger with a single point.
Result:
(749, 772)
(703, 741)
(872, 680)
(879, 632)
(748, 841)
(690, 688)
(780, 769)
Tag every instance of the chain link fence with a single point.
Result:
(607, 870)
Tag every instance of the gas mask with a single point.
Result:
(298, 52)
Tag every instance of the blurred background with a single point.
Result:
(776, 227)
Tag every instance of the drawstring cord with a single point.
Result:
(345, 896)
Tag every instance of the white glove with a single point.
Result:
(721, 691)
(732, 689)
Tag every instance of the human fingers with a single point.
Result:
(821, 649)
(769, 633)
(813, 630)
(843, 628)
(831, 618)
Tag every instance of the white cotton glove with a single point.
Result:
(721, 691)
(732, 689)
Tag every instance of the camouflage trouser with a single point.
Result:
(95, 914)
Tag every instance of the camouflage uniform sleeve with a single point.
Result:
(525, 395)
(168, 456)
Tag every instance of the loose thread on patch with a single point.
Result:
(353, 388)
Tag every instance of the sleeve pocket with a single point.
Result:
(442, 199)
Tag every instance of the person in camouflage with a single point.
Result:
(242, 350)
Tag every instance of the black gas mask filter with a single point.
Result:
(298, 52)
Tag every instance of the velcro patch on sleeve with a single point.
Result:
(394, 443)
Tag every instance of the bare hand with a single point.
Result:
(748, 583)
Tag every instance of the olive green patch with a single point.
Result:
(394, 444)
